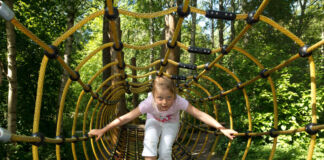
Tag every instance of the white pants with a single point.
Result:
(155, 131)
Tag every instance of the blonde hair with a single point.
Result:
(165, 83)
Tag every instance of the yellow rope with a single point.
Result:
(38, 103)
(316, 45)
(148, 15)
(110, 88)
(206, 137)
(282, 30)
(313, 104)
(76, 112)
(115, 92)
(84, 126)
(213, 148)
(196, 10)
(146, 46)
(94, 52)
(110, 6)
(101, 125)
(77, 26)
(250, 122)
(24, 138)
(247, 105)
(33, 37)
(261, 8)
(275, 118)
(90, 127)
(96, 126)
(142, 68)
(241, 16)
(227, 150)
(192, 131)
(231, 45)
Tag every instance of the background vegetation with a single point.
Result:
(47, 20)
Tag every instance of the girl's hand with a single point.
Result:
(96, 132)
(228, 133)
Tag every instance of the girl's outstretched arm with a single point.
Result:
(209, 120)
(116, 123)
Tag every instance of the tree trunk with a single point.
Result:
(68, 49)
(113, 53)
(193, 34)
(245, 10)
(221, 25)
(301, 25)
(233, 22)
(122, 103)
(2, 72)
(134, 73)
(12, 74)
(12, 78)
(106, 57)
(151, 39)
(135, 97)
(321, 51)
(170, 25)
(230, 62)
(212, 26)
(163, 49)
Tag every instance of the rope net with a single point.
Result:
(126, 142)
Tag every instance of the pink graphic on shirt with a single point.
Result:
(163, 118)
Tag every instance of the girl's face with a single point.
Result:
(163, 98)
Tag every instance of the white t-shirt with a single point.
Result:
(171, 115)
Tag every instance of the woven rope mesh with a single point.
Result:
(195, 140)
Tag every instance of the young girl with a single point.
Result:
(162, 107)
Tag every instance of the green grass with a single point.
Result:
(284, 151)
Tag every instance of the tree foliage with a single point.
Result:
(47, 20)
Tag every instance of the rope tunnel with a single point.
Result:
(102, 107)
